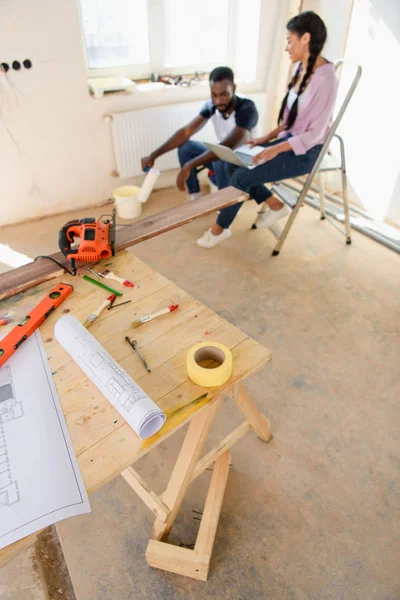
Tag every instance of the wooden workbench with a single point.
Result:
(103, 442)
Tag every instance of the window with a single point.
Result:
(116, 33)
(139, 37)
(188, 25)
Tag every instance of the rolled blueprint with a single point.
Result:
(148, 185)
(132, 403)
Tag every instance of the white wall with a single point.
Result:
(55, 150)
(336, 15)
(370, 127)
(367, 32)
(393, 211)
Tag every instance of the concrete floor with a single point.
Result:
(315, 514)
(21, 579)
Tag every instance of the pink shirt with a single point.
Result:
(314, 117)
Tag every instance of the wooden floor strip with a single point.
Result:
(32, 274)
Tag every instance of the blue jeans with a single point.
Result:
(192, 149)
(284, 166)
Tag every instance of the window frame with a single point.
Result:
(156, 46)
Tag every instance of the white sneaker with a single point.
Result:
(192, 197)
(271, 216)
(213, 187)
(209, 240)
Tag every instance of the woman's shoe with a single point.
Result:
(271, 216)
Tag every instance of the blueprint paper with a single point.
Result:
(132, 403)
(40, 481)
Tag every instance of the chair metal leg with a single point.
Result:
(321, 194)
(317, 164)
(260, 212)
(287, 227)
(345, 190)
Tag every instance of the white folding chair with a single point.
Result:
(325, 162)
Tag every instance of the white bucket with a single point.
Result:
(127, 203)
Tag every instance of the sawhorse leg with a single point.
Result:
(183, 561)
(192, 563)
(182, 472)
(195, 563)
(257, 421)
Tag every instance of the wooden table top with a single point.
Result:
(104, 443)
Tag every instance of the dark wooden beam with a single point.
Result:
(41, 270)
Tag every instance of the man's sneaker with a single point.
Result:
(192, 197)
(213, 187)
(271, 216)
(209, 240)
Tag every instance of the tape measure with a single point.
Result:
(17, 336)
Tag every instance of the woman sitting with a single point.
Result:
(303, 126)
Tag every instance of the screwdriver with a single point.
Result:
(133, 344)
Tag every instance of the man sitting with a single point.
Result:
(233, 118)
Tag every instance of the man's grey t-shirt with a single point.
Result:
(245, 115)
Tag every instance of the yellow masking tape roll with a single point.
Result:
(209, 353)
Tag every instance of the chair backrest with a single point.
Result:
(335, 124)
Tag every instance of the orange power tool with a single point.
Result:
(97, 239)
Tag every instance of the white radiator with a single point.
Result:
(137, 133)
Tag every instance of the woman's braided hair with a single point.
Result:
(305, 22)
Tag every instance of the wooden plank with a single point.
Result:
(177, 560)
(122, 447)
(69, 375)
(114, 452)
(177, 216)
(245, 403)
(89, 417)
(111, 331)
(182, 472)
(42, 270)
(148, 496)
(213, 505)
(214, 454)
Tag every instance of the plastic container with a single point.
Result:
(127, 203)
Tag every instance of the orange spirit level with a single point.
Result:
(17, 336)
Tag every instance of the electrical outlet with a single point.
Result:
(16, 65)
